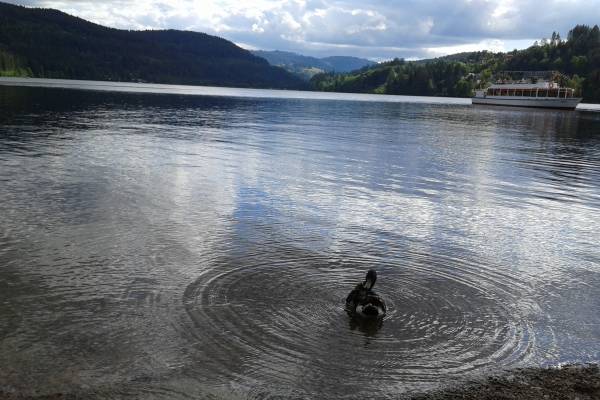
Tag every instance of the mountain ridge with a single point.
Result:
(308, 66)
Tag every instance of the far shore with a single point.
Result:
(571, 382)
(223, 91)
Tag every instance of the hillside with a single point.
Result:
(307, 67)
(438, 78)
(48, 43)
(578, 57)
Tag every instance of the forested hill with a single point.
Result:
(578, 57)
(48, 43)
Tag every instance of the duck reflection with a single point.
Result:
(369, 327)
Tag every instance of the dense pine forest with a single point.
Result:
(578, 57)
(51, 44)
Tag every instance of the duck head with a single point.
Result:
(370, 279)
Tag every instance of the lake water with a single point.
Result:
(170, 246)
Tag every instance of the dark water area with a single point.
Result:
(165, 246)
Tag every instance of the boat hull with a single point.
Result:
(549, 102)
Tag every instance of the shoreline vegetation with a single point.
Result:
(570, 382)
(47, 43)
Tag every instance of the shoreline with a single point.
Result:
(571, 382)
(241, 92)
(568, 382)
(223, 91)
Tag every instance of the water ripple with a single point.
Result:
(284, 320)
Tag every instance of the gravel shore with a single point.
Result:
(572, 382)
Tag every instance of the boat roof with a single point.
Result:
(524, 85)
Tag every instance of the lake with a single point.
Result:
(162, 245)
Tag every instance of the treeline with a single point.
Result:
(51, 44)
(438, 78)
(458, 75)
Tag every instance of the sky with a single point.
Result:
(374, 29)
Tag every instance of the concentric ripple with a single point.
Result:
(282, 324)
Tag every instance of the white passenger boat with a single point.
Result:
(530, 92)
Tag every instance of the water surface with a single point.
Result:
(168, 246)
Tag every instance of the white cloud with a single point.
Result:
(371, 28)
